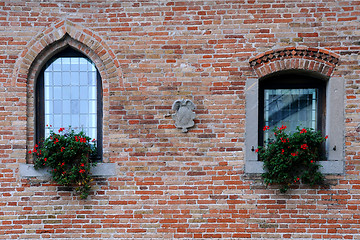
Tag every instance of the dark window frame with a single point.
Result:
(292, 81)
(40, 102)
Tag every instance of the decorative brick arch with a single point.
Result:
(51, 41)
(92, 46)
(318, 60)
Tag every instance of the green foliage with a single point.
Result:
(67, 154)
(292, 157)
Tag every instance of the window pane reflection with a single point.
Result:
(290, 107)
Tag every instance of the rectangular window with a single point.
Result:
(299, 92)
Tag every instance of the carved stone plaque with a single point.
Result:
(184, 116)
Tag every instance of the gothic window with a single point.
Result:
(68, 93)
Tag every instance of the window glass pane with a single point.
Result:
(48, 78)
(290, 107)
(70, 95)
(84, 78)
(91, 67)
(84, 106)
(66, 78)
(48, 119)
(92, 92)
(65, 64)
(83, 65)
(74, 92)
(57, 92)
(75, 80)
(75, 64)
(75, 108)
(66, 107)
(56, 65)
(84, 93)
(66, 92)
(66, 121)
(48, 107)
(57, 121)
(75, 124)
(92, 133)
(57, 78)
(84, 119)
(48, 93)
(92, 107)
(57, 106)
(92, 78)
(92, 120)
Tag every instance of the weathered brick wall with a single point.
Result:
(171, 184)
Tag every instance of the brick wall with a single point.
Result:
(171, 184)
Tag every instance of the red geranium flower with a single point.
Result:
(304, 146)
(282, 127)
(303, 130)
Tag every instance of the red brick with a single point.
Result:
(171, 184)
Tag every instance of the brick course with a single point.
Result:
(170, 184)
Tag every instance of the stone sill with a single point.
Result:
(100, 170)
(328, 167)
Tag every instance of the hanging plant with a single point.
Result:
(292, 157)
(67, 154)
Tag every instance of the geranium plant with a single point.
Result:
(67, 154)
(292, 157)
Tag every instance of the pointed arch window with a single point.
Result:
(68, 93)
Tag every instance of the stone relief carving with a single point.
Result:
(184, 116)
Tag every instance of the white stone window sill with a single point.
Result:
(327, 167)
(100, 170)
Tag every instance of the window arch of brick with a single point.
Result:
(320, 61)
(312, 62)
(43, 47)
